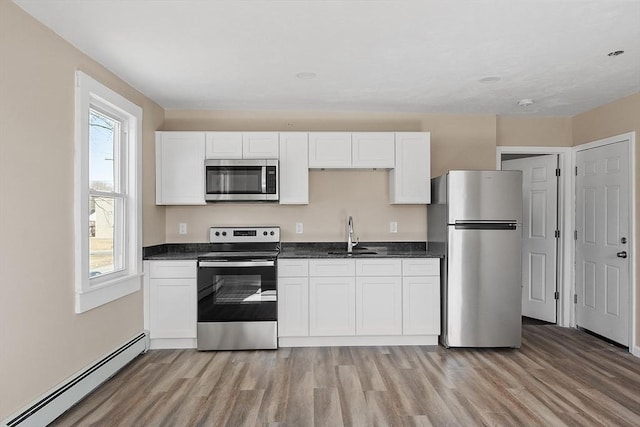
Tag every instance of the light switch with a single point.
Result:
(393, 226)
(182, 229)
(299, 228)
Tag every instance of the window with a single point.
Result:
(107, 195)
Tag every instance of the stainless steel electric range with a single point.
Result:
(237, 289)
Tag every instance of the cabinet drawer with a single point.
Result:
(378, 267)
(172, 269)
(293, 268)
(332, 267)
(421, 267)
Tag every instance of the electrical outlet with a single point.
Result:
(393, 226)
(182, 228)
(299, 228)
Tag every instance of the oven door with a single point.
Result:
(237, 290)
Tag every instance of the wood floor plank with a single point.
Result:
(352, 400)
(558, 377)
(326, 407)
(382, 410)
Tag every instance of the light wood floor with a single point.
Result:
(558, 377)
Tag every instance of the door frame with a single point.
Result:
(564, 262)
(633, 247)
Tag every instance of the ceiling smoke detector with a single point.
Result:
(306, 75)
(490, 79)
(525, 102)
(615, 53)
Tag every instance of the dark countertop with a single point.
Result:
(191, 251)
(363, 250)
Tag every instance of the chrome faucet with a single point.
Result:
(350, 244)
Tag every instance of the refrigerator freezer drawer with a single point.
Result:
(484, 195)
(482, 296)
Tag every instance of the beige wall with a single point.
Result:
(612, 119)
(457, 142)
(534, 131)
(42, 340)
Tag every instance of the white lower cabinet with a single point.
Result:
(171, 303)
(421, 296)
(332, 306)
(373, 301)
(378, 306)
(293, 306)
(293, 298)
(421, 305)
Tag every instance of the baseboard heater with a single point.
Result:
(54, 403)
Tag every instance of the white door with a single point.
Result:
(602, 225)
(539, 242)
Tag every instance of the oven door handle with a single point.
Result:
(236, 263)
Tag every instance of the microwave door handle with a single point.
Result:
(264, 180)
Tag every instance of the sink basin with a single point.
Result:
(343, 253)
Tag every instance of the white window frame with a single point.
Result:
(94, 292)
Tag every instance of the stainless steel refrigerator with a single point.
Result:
(476, 218)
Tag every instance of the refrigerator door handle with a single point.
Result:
(486, 226)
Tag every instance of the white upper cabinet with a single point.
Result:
(224, 145)
(410, 180)
(373, 150)
(180, 168)
(260, 145)
(346, 150)
(294, 168)
(329, 150)
(242, 145)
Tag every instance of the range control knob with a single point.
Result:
(224, 233)
(217, 233)
(264, 233)
(272, 233)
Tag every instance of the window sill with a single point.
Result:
(108, 291)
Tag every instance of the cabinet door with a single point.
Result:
(373, 150)
(332, 306)
(180, 168)
(224, 145)
(410, 180)
(172, 308)
(378, 306)
(260, 145)
(294, 168)
(329, 150)
(293, 307)
(421, 305)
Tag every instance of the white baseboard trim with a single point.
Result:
(60, 398)
(176, 343)
(357, 341)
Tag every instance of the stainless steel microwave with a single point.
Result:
(241, 180)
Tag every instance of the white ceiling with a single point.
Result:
(406, 56)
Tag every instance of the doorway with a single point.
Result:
(540, 180)
(547, 270)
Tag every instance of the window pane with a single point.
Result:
(103, 237)
(103, 139)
